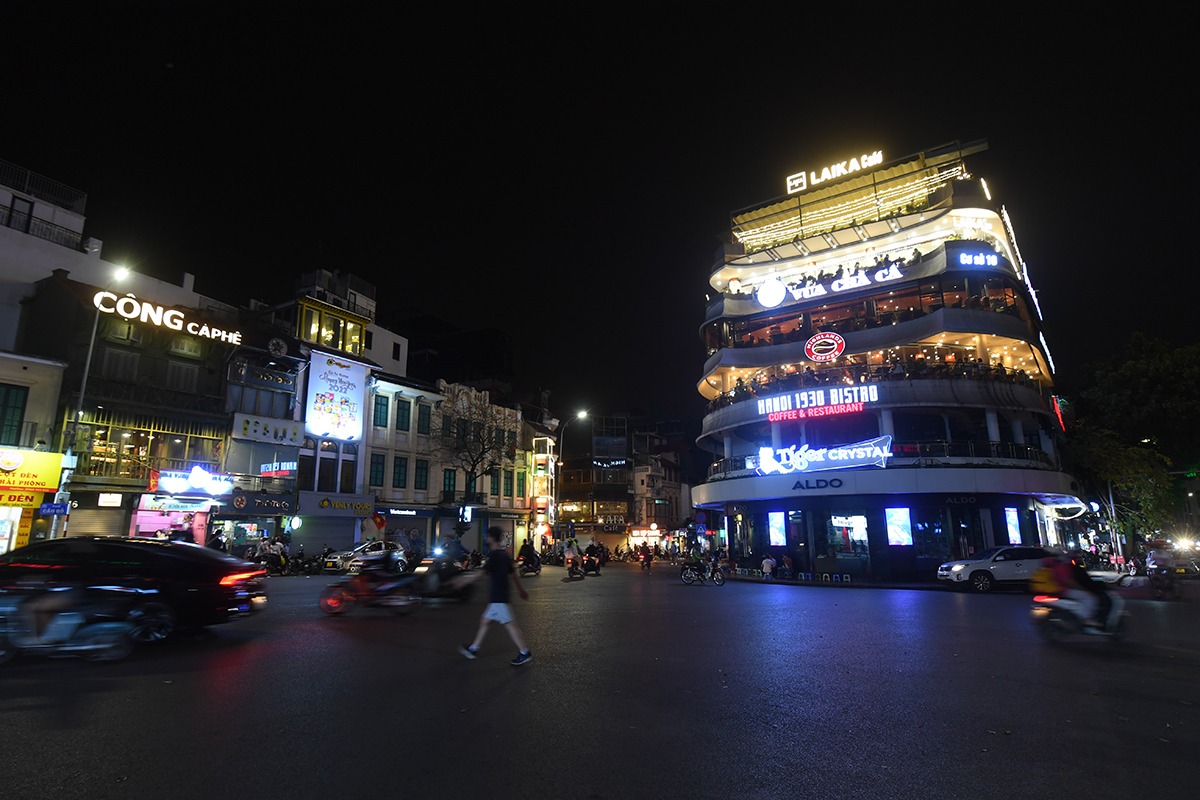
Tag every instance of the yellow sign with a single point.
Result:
(24, 528)
(30, 470)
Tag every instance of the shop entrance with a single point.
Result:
(967, 530)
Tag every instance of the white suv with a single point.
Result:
(997, 566)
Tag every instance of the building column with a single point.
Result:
(993, 425)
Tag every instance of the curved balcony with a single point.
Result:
(946, 320)
(989, 388)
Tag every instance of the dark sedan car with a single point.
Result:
(183, 585)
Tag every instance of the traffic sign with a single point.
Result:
(701, 530)
(52, 509)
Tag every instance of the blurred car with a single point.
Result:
(181, 585)
(396, 561)
(1006, 565)
(349, 560)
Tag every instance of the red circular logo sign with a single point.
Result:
(824, 347)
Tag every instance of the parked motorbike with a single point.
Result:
(300, 564)
(88, 622)
(691, 573)
(1056, 617)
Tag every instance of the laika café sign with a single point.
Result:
(803, 181)
(335, 397)
(812, 403)
(129, 307)
(871, 453)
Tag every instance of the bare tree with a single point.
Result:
(477, 437)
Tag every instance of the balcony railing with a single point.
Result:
(117, 465)
(156, 397)
(456, 498)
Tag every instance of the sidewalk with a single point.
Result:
(1132, 587)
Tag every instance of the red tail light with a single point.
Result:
(1045, 598)
(241, 577)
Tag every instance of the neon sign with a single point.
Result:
(869, 453)
(802, 181)
(173, 319)
(811, 403)
(198, 481)
(769, 295)
(979, 259)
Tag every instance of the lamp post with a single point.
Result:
(69, 433)
(561, 462)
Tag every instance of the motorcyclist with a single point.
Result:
(571, 555)
(593, 553)
(529, 554)
(1067, 574)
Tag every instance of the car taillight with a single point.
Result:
(241, 577)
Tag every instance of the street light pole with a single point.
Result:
(63, 495)
(561, 462)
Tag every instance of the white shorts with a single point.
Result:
(498, 612)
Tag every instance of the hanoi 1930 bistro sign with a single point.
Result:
(810, 403)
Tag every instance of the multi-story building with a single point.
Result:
(880, 390)
(166, 411)
(620, 482)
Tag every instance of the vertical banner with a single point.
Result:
(336, 393)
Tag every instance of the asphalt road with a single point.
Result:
(640, 687)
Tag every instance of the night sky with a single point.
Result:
(569, 180)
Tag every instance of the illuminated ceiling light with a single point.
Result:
(893, 224)
(829, 240)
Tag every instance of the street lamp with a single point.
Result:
(561, 462)
(64, 496)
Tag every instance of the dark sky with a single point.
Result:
(568, 180)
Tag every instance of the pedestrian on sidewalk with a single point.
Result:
(499, 567)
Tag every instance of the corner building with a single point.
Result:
(880, 393)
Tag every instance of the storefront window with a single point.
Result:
(930, 539)
(846, 533)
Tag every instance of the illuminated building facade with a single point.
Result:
(880, 391)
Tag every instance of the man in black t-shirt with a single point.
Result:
(499, 569)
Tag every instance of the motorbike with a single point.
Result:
(377, 585)
(1056, 617)
(529, 566)
(591, 564)
(300, 564)
(691, 573)
(89, 622)
(1163, 582)
(575, 569)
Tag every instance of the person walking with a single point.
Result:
(499, 567)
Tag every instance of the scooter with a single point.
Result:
(575, 570)
(529, 567)
(376, 585)
(1163, 582)
(1056, 617)
(591, 564)
(66, 621)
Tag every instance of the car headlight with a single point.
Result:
(958, 567)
